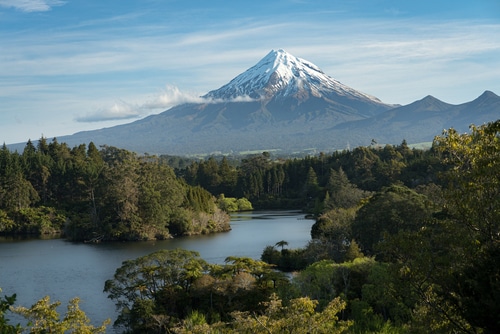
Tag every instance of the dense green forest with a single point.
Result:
(306, 183)
(405, 241)
(107, 194)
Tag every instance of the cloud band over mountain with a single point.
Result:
(170, 97)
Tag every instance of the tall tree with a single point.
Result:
(160, 195)
(342, 193)
(393, 209)
(229, 177)
(311, 186)
(16, 192)
(474, 178)
(473, 198)
(153, 279)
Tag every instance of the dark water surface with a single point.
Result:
(34, 268)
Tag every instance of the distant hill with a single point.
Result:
(422, 120)
(287, 103)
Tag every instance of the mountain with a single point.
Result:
(289, 104)
(280, 76)
(423, 119)
(273, 105)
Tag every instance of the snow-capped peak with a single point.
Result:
(280, 74)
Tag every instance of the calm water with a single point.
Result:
(36, 268)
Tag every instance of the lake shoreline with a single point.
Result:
(36, 267)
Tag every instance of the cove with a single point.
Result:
(34, 268)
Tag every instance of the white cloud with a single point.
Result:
(244, 98)
(31, 5)
(398, 61)
(118, 111)
(121, 110)
(198, 54)
(172, 96)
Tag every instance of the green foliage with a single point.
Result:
(432, 216)
(271, 255)
(376, 300)
(143, 199)
(287, 260)
(17, 192)
(473, 187)
(394, 209)
(188, 222)
(7, 224)
(195, 322)
(231, 204)
(40, 220)
(164, 288)
(159, 194)
(44, 318)
(353, 251)
(5, 304)
(444, 269)
(476, 289)
(471, 285)
(199, 199)
(325, 280)
(142, 287)
(218, 177)
(342, 193)
(244, 204)
(111, 194)
(315, 183)
(333, 229)
(300, 316)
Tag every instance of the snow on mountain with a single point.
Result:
(289, 104)
(279, 75)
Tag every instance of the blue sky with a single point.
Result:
(73, 65)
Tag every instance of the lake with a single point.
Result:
(34, 268)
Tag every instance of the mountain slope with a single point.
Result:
(423, 119)
(281, 75)
(425, 110)
(268, 106)
(283, 82)
(288, 104)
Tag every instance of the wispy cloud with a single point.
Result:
(170, 97)
(31, 5)
(368, 55)
(83, 67)
(198, 52)
(120, 110)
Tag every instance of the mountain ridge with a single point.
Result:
(289, 104)
(424, 119)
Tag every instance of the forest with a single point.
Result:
(87, 194)
(404, 241)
